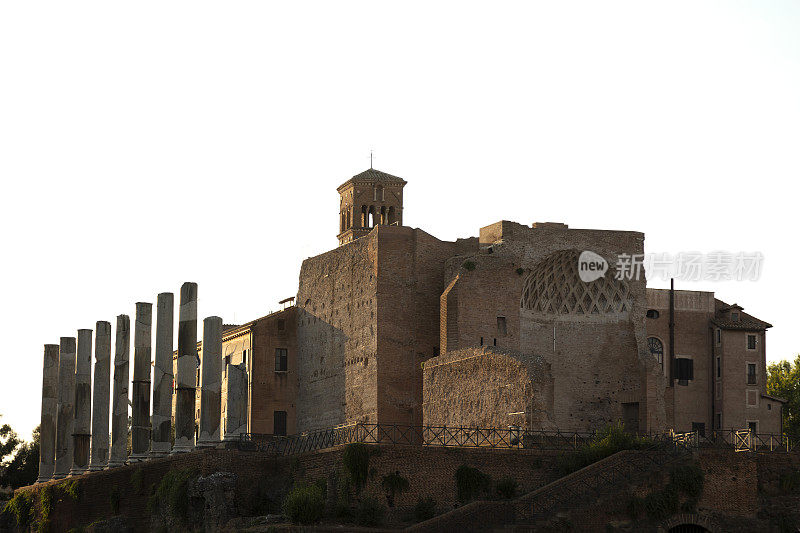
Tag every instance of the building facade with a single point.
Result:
(396, 326)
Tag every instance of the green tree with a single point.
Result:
(23, 468)
(783, 381)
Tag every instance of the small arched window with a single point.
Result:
(652, 313)
(656, 348)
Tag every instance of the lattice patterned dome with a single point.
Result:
(554, 287)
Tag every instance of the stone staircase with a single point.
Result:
(607, 475)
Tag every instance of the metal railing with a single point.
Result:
(497, 438)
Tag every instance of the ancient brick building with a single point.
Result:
(396, 326)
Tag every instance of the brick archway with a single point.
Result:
(685, 523)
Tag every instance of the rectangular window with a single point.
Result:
(753, 426)
(751, 373)
(735, 316)
(719, 336)
(752, 398)
(751, 342)
(700, 428)
(481, 341)
(719, 420)
(281, 359)
(501, 325)
(684, 370)
(244, 356)
(281, 324)
(719, 368)
(279, 423)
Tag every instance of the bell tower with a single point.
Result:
(367, 200)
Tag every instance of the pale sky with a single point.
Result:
(150, 143)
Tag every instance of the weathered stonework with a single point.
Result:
(119, 409)
(236, 412)
(162, 376)
(142, 341)
(187, 363)
(47, 429)
(210, 401)
(487, 387)
(101, 396)
(65, 423)
(83, 403)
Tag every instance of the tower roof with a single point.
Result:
(371, 175)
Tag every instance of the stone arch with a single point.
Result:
(383, 218)
(553, 286)
(392, 215)
(687, 523)
(364, 217)
(371, 215)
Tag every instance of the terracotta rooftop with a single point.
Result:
(745, 322)
(375, 175)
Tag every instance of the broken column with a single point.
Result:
(66, 407)
(119, 410)
(211, 381)
(83, 404)
(236, 407)
(47, 429)
(162, 377)
(142, 338)
(100, 395)
(187, 367)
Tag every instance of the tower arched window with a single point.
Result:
(364, 218)
(371, 216)
(392, 215)
(383, 215)
(348, 224)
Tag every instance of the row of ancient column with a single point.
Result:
(74, 433)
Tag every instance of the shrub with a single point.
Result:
(610, 440)
(425, 509)
(21, 508)
(304, 504)
(113, 500)
(172, 492)
(506, 488)
(394, 484)
(369, 512)
(470, 482)
(681, 493)
(71, 489)
(136, 481)
(468, 265)
(790, 481)
(356, 461)
(688, 480)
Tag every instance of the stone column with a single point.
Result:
(83, 404)
(66, 407)
(101, 396)
(47, 429)
(119, 410)
(187, 366)
(162, 377)
(142, 339)
(236, 407)
(211, 382)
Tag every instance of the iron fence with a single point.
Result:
(444, 436)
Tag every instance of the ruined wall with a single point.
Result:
(410, 268)
(599, 360)
(337, 337)
(487, 388)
